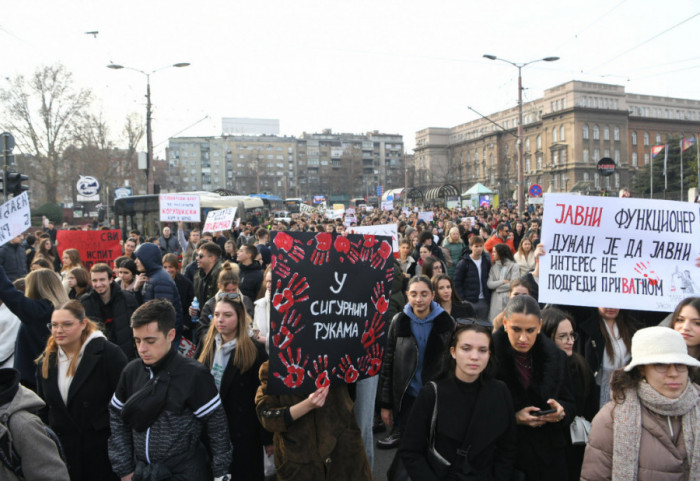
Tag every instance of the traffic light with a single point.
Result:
(12, 184)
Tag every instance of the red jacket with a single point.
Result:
(494, 240)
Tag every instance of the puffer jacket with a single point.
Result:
(324, 444)
(13, 259)
(660, 457)
(40, 458)
(467, 280)
(159, 285)
(401, 357)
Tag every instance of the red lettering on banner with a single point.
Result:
(580, 215)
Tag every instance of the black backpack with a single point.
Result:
(8, 455)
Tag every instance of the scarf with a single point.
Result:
(221, 357)
(627, 427)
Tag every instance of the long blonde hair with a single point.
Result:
(77, 310)
(245, 353)
(45, 284)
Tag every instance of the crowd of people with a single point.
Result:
(156, 366)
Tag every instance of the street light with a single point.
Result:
(519, 66)
(149, 136)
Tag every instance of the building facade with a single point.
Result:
(565, 134)
(338, 165)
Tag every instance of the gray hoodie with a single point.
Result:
(40, 458)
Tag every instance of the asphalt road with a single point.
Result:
(382, 459)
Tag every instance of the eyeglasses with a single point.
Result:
(663, 368)
(463, 321)
(228, 295)
(567, 337)
(64, 326)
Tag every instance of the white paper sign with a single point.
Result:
(349, 220)
(618, 252)
(426, 216)
(174, 207)
(15, 217)
(384, 229)
(218, 220)
(388, 205)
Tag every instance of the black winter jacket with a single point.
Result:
(539, 449)
(251, 279)
(13, 258)
(401, 357)
(466, 278)
(115, 316)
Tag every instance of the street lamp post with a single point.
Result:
(149, 133)
(519, 66)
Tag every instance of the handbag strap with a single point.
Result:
(433, 421)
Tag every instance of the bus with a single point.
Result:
(292, 204)
(142, 212)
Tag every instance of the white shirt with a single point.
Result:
(478, 268)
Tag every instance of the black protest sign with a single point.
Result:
(329, 299)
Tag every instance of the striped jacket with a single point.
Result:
(192, 404)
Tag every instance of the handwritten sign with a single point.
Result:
(15, 217)
(622, 253)
(389, 230)
(95, 246)
(426, 216)
(325, 326)
(388, 205)
(175, 207)
(218, 220)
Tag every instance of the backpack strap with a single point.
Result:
(8, 455)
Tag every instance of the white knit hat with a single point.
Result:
(659, 345)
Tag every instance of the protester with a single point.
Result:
(44, 292)
(535, 371)
(126, 273)
(649, 430)
(71, 260)
(209, 267)
(408, 263)
(251, 272)
(186, 291)
(502, 236)
(9, 327)
(560, 327)
(167, 243)
(22, 431)
(13, 259)
(446, 295)
(262, 237)
(189, 246)
(414, 354)
(502, 273)
(525, 257)
(78, 282)
(78, 373)
(130, 247)
(47, 251)
(156, 426)
(261, 318)
(686, 320)
(234, 360)
(230, 251)
(111, 308)
(454, 245)
(475, 426)
(433, 266)
(471, 277)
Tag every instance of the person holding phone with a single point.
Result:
(536, 374)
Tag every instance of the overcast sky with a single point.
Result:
(352, 66)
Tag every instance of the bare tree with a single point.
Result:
(42, 111)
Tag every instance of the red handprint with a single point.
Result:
(379, 258)
(279, 267)
(642, 268)
(372, 330)
(369, 242)
(284, 299)
(295, 368)
(288, 329)
(344, 246)
(323, 246)
(371, 363)
(348, 372)
(290, 245)
(380, 302)
(320, 372)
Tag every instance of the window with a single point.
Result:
(617, 156)
(596, 133)
(527, 144)
(658, 139)
(561, 133)
(527, 163)
(617, 181)
(555, 181)
(646, 139)
(646, 158)
(539, 161)
(606, 133)
(606, 153)
(616, 133)
(596, 155)
(585, 131)
(554, 134)
(585, 176)
(634, 138)
(539, 142)
(555, 157)
(635, 160)
(491, 160)
(586, 156)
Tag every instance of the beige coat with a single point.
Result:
(660, 457)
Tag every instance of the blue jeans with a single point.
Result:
(365, 394)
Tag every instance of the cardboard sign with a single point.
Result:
(328, 322)
(95, 246)
(426, 216)
(15, 217)
(174, 207)
(218, 220)
(390, 230)
(621, 253)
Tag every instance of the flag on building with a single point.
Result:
(687, 143)
(655, 150)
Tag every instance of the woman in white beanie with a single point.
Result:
(650, 430)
